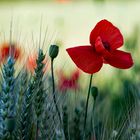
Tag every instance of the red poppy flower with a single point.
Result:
(105, 39)
(70, 82)
(31, 63)
(6, 50)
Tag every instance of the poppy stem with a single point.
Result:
(87, 104)
(53, 91)
(54, 97)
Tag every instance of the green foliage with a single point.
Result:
(8, 99)
(38, 84)
(28, 110)
(26, 116)
(65, 122)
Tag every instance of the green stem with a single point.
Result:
(53, 91)
(87, 104)
(54, 97)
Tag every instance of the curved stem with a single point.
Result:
(87, 104)
(54, 97)
(53, 91)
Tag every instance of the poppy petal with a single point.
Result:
(99, 47)
(108, 33)
(86, 58)
(119, 59)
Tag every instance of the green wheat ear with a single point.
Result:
(8, 99)
(33, 102)
(38, 81)
(39, 88)
(23, 80)
(26, 117)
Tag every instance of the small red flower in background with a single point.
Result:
(63, 1)
(105, 38)
(31, 63)
(6, 50)
(71, 82)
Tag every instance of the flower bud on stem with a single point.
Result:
(53, 52)
(94, 93)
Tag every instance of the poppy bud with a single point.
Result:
(94, 92)
(10, 123)
(53, 51)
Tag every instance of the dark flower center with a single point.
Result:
(106, 45)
